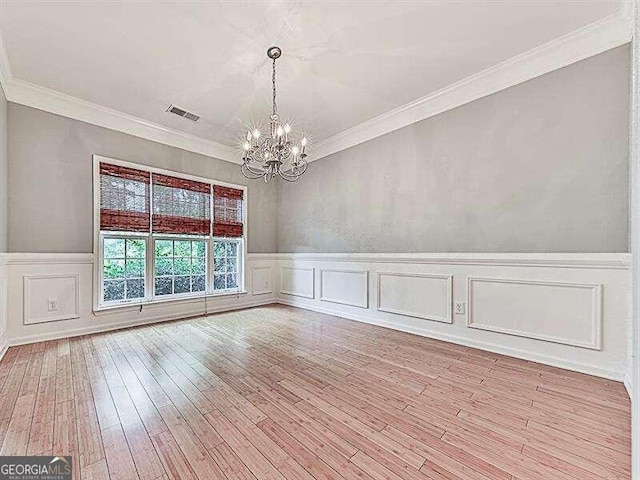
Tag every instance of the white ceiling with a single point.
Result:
(343, 62)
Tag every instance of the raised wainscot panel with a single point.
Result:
(416, 295)
(347, 287)
(297, 281)
(261, 280)
(48, 298)
(567, 313)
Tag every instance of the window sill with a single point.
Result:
(105, 309)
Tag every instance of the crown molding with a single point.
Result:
(590, 40)
(31, 95)
(595, 38)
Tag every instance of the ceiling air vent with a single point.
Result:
(183, 113)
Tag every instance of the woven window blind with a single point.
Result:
(124, 199)
(227, 212)
(181, 206)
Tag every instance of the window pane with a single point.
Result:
(134, 268)
(113, 290)
(198, 283)
(182, 248)
(182, 285)
(135, 288)
(231, 265)
(113, 248)
(218, 249)
(219, 264)
(164, 286)
(219, 282)
(198, 249)
(135, 248)
(164, 248)
(164, 266)
(231, 280)
(198, 266)
(182, 266)
(232, 249)
(114, 268)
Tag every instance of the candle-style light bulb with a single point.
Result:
(295, 151)
(256, 133)
(287, 131)
(249, 136)
(303, 143)
(247, 146)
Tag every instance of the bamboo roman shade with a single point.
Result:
(133, 200)
(181, 206)
(124, 199)
(227, 212)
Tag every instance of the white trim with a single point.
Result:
(590, 40)
(448, 318)
(27, 320)
(628, 385)
(343, 302)
(596, 311)
(614, 261)
(585, 42)
(489, 347)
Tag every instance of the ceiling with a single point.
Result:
(343, 63)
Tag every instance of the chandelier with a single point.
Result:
(276, 154)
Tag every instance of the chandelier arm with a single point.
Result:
(254, 170)
(250, 174)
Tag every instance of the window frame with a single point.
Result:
(149, 237)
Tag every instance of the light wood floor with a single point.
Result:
(277, 393)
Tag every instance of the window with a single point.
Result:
(181, 266)
(163, 235)
(123, 268)
(226, 270)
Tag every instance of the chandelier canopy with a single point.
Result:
(276, 154)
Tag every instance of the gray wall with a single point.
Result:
(50, 181)
(539, 167)
(3, 171)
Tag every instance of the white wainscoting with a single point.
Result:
(33, 279)
(565, 310)
(297, 282)
(567, 313)
(586, 330)
(346, 287)
(416, 295)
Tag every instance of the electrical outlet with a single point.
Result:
(459, 308)
(52, 304)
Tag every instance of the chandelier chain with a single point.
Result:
(273, 80)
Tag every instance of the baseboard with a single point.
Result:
(133, 323)
(511, 352)
(4, 344)
(628, 385)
